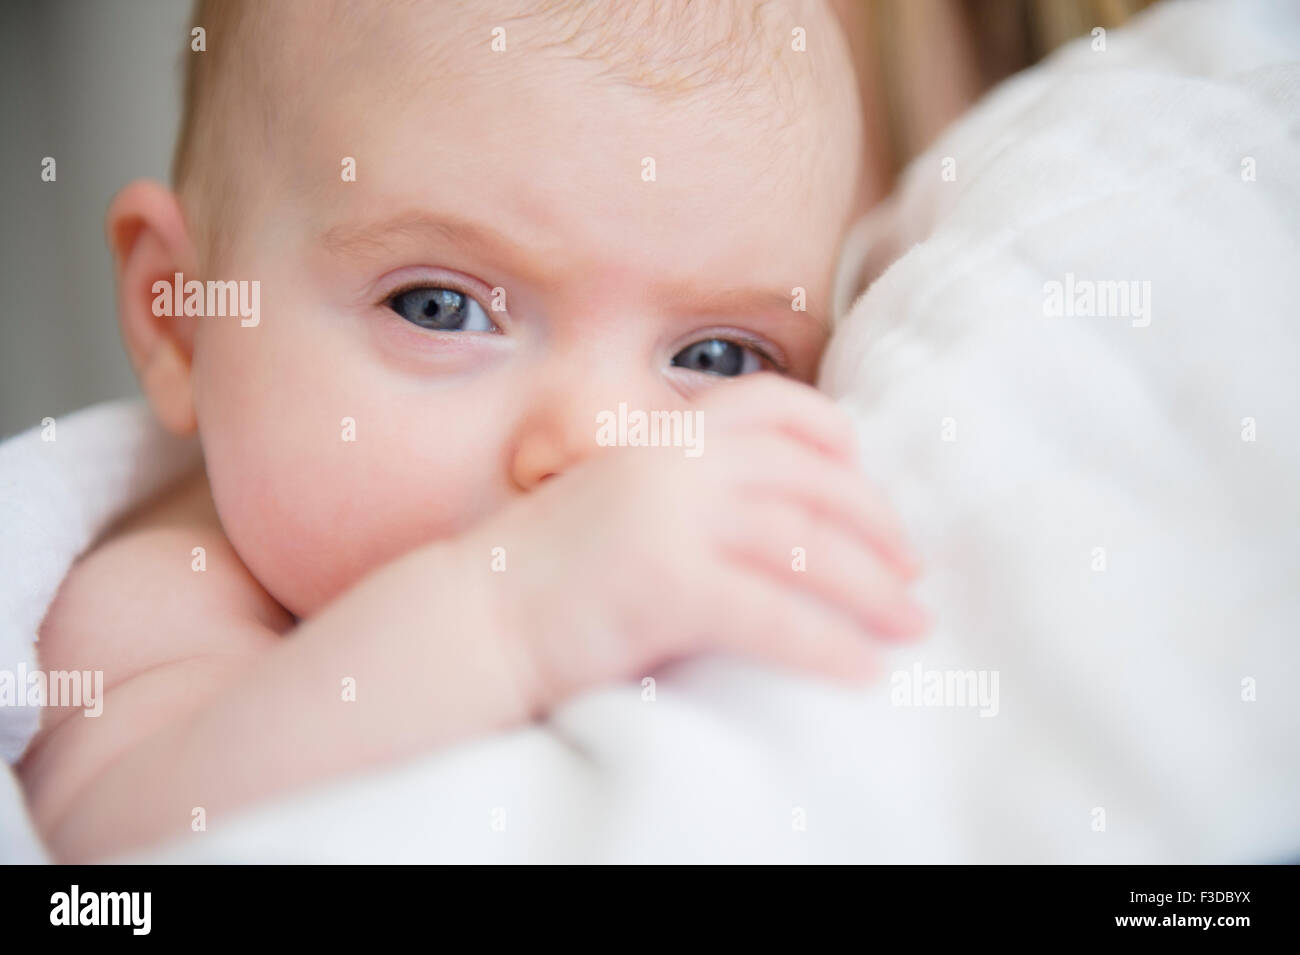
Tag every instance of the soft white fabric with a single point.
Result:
(1120, 690)
(61, 484)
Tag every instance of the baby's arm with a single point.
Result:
(427, 672)
(210, 707)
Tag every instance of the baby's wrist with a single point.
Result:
(495, 619)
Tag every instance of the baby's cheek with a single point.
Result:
(313, 498)
(323, 463)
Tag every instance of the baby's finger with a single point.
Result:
(772, 403)
(834, 494)
(799, 551)
(789, 628)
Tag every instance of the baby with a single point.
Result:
(476, 228)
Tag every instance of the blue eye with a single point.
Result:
(441, 309)
(717, 356)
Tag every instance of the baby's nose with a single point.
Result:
(547, 449)
(562, 427)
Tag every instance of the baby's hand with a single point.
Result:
(770, 543)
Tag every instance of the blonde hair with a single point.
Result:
(218, 87)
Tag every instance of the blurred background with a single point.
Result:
(96, 84)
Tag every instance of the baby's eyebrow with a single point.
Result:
(739, 302)
(376, 238)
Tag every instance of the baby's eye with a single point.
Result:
(441, 309)
(717, 356)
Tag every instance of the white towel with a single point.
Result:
(62, 483)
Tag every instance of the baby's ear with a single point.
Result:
(150, 244)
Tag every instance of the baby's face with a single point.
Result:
(619, 226)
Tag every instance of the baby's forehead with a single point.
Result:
(675, 48)
(737, 84)
(725, 63)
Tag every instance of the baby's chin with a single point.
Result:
(301, 575)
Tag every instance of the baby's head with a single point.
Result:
(475, 226)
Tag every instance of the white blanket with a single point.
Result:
(1106, 504)
(62, 483)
